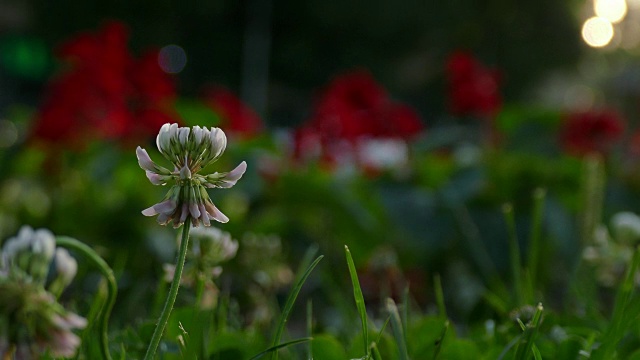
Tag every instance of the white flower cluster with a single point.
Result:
(32, 322)
(189, 150)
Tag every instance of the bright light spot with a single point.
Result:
(8, 133)
(597, 31)
(172, 59)
(612, 10)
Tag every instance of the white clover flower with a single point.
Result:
(32, 322)
(66, 266)
(626, 226)
(29, 252)
(189, 150)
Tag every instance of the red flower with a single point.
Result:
(352, 109)
(237, 118)
(473, 89)
(103, 92)
(587, 132)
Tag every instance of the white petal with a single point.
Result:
(161, 139)
(218, 142)
(45, 242)
(183, 135)
(197, 134)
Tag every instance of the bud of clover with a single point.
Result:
(189, 150)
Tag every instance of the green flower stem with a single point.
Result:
(112, 287)
(173, 293)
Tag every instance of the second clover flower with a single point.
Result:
(189, 150)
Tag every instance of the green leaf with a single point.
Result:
(359, 298)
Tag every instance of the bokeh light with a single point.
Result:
(597, 32)
(612, 10)
(172, 59)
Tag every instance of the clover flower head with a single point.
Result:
(213, 245)
(32, 322)
(626, 226)
(189, 150)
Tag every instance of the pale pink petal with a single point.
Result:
(184, 213)
(205, 215)
(217, 214)
(155, 178)
(194, 210)
(150, 211)
(163, 219)
(144, 160)
(165, 207)
(233, 177)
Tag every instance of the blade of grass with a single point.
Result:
(616, 330)
(375, 353)
(437, 287)
(539, 196)
(300, 279)
(281, 346)
(359, 298)
(514, 254)
(525, 347)
(536, 353)
(593, 184)
(396, 326)
(440, 340)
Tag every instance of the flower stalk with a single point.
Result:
(173, 293)
(112, 287)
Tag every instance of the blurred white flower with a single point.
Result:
(626, 227)
(32, 322)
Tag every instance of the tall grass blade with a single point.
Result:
(359, 298)
(396, 326)
(623, 314)
(300, 279)
(440, 340)
(525, 347)
(281, 346)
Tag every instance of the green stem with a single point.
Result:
(173, 293)
(112, 287)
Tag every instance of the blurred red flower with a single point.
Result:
(103, 92)
(236, 117)
(591, 131)
(350, 110)
(473, 90)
